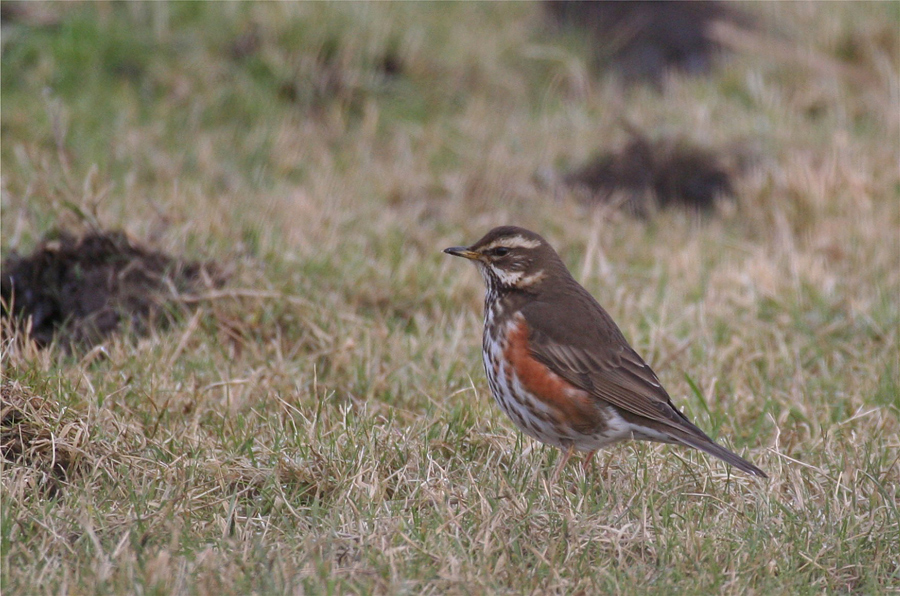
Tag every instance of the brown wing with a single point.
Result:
(579, 341)
(616, 375)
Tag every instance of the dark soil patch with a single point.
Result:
(658, 174)
(80, 290)
(644, 39)
(31, 14)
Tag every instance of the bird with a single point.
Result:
(558, 365)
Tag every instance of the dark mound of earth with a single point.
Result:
(658, 174)
(79, 290)
(644, 39)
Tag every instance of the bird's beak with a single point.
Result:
(462, 251)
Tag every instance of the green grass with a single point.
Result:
(323, 425)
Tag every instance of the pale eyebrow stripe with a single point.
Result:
(514, 242)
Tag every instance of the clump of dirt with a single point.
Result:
(33, 14)
(80, 290)
(645, 39)
(669, 172)
(43, 447)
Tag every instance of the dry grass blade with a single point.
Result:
(41, 447)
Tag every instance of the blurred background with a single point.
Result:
(328, 133)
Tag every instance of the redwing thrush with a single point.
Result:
(558, 365)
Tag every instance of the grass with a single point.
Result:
(323, 425)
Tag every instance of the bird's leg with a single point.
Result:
(562, 462)
(587, 461)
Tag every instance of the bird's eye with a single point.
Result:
(500, 251)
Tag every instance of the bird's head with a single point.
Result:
(511, 258)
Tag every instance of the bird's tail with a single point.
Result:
(707, 445)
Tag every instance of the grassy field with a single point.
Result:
(322, 423)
